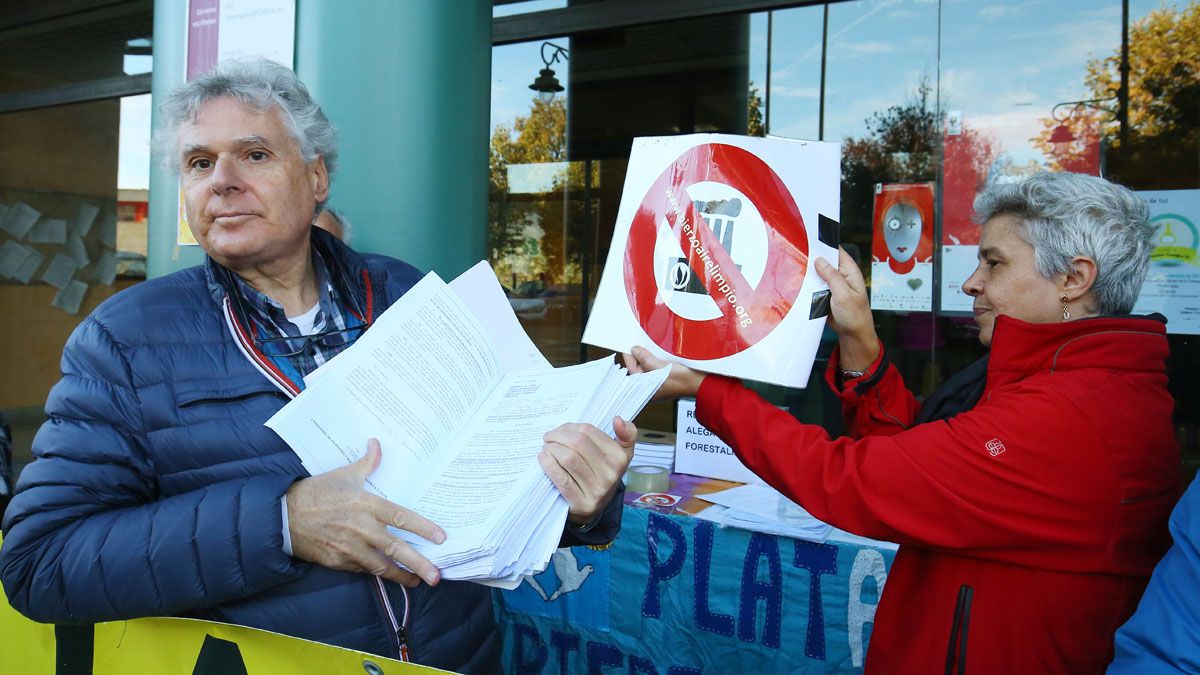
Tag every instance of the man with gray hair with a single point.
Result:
(156, 489)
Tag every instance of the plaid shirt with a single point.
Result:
(333, 314)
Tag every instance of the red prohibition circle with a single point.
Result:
(748, 314)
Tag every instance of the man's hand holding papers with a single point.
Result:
(586, 465)
(334, 522)
(462, 403)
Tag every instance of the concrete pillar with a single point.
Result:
(163, 256)
(407, 83)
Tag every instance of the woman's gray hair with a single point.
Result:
(1064, 215)
(258, 84)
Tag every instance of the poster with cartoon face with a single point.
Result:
(902, 247)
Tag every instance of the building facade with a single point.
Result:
(449, 156)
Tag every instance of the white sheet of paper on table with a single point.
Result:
(29, 266)
(763, 508)
(20, 219)
(48, 231)
(70, 297)
(60, 271)
(83, 218)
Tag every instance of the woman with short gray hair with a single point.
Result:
(1030, 494)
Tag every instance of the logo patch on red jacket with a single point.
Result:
(995, 447)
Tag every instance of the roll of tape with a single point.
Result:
(647, 479)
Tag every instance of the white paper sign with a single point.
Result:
(20, 219)
(711, 258)
(106, 268)
(49, 231)
(70, 297)
(700, 453)
(83, 218)
(108, 230)
(12, 256)
(29, 266)
(60, 270)
(76, 249)
(1172, 286)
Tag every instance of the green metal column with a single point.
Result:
(163, 256)
(407, 83)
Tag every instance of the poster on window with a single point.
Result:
(980, 149)
(902, 247)
(968, 152)
(218, 30)
(1172, 286)
(711, 257)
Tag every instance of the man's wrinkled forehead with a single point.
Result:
(227, 123)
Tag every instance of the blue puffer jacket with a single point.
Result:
(156, 488)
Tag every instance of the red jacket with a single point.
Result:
(1028, 525)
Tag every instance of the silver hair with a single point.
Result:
(258, 84)
(1064, 215)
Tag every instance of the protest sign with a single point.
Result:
(711, 257)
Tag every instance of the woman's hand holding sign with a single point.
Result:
(850, 312)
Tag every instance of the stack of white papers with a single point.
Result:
(459, 399)
(762, 508)
(654, 448)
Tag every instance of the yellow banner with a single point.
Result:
(174, 647)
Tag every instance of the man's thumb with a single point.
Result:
(367, 464)
(626, 432)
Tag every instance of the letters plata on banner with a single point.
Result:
(711, 257)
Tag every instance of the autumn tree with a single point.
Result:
(1163, 129)
(754, 117)
(536, 235)
(900, 146)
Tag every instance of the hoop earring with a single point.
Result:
(1066, 312)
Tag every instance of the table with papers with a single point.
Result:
(686, 589)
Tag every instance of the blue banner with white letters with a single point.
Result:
(677, 595)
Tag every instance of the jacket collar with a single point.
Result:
(1126, 343)
(347, 271)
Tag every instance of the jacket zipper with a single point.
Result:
(399, 626)
(956, 654)
(268, 370)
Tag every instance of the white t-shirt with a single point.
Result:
(305, 322)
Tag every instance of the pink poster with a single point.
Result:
(203, 27)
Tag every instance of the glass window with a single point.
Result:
(70, 222)
(1159, 153)
(558, 168)
(878, 100)
(927, 98)
(512, 7)
(96, 44)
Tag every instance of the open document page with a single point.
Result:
(459, 399)
(407, 381)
